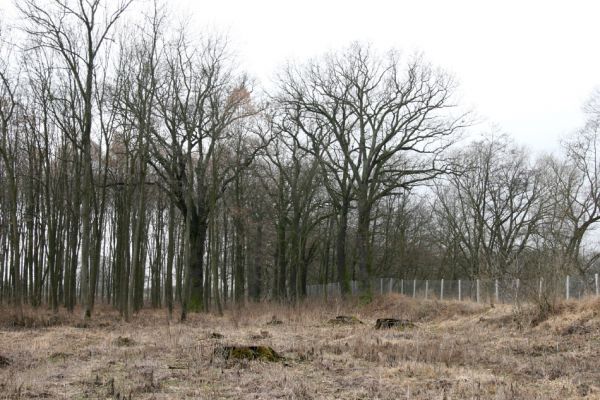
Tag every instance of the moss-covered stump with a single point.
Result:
(345, 320)
(263, 353)
(387, 323)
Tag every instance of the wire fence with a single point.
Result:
(507, 291)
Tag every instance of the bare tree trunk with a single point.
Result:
(238, 224)
(71, 290)
(281, 259)
(193, 295)
(364, 266)
(214, 260)
(340, 245)
(137, 257)
(257, 262)
(170, 258)
(225, 252)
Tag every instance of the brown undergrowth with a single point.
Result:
(454, 350)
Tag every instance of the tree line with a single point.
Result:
(141, 166)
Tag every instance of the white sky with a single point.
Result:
(526, 65)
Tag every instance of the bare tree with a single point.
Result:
(491, 210)
(200, 100)
(579, 183)
(8, 150)
(389, 122)
(76, 31)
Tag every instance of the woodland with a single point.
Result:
(142, 167)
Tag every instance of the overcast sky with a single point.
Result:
(526, 66)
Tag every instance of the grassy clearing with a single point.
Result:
(454, 351)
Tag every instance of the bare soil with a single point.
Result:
(453, 351)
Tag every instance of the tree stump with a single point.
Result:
(123, 341)
(263, 353)
(275, 321)
(387, 323)
(345, 320)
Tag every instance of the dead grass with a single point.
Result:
(455, 350)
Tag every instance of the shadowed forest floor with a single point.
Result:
(454, 351)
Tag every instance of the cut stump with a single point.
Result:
(387, 323)
(263, 353)
(124, 341)
(345, 320)
(275, 321)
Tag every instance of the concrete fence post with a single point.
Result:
(335, 289)
(497, 291)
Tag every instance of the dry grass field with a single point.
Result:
(454, 351)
